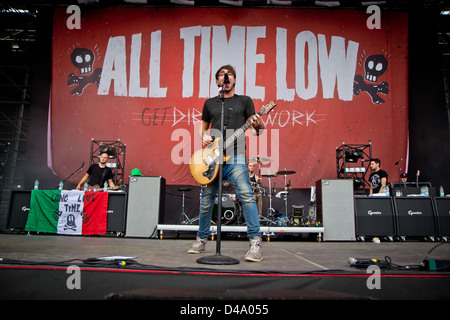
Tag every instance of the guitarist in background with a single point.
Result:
(237, 110)
(98, 173)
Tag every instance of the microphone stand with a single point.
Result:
(218, 258)
(398, 168)
(79, 169)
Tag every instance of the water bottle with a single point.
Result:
(85, 186)
(424, 191)
(105, 186)
(441, 192)
(36, 185)
(61, 185)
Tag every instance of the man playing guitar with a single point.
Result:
(98, 173)
(239, 109)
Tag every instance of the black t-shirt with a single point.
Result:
(375, 179)
(242, 109)
(98, 175)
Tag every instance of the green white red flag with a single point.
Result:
(69, 212)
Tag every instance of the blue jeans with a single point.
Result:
(235, 171)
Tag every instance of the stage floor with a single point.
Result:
(318, 269)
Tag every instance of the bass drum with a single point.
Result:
(231, 210)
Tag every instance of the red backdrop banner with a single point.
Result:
(141, 75)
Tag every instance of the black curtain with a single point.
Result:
(428, 118)
(37, 167)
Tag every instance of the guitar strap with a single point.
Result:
(102, 182)
(227, 117)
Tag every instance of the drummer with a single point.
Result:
(254, 181)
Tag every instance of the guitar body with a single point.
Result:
(204, 164)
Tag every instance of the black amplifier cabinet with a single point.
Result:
(415, 216)
(374, 216)
(117, 211)
(19, 207)
(443, 215)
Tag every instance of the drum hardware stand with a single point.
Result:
(270, 210)
(184, 219)
(285, 193)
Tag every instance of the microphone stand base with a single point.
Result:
(217, 259)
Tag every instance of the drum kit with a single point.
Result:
(232, 209)
(272, 215)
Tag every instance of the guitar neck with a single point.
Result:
(239, 131)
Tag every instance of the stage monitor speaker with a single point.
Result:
(19, 207)
(145, 206)
(117, 208)
(415, 216)
(443, 215)
(374, 216)
(335, 209)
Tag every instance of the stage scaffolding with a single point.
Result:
(353, 162)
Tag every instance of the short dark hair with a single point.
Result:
(376, 160)
(228, 67)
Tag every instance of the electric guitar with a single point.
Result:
(204, 164)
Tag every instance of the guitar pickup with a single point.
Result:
(208, 159)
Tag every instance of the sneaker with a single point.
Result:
(255, 252)
(198, 246)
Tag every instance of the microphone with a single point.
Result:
(82, 165)
(364, 263)
(226, 79)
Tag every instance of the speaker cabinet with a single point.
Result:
(335, 209)
(443, 215)
(374, 216)
(19, 207)
(117, 208)
(415, 216)
(145, 206)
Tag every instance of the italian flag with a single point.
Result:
(69, 212)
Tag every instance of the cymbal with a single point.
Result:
(259, 159)
(269, 175)
(285, 172)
